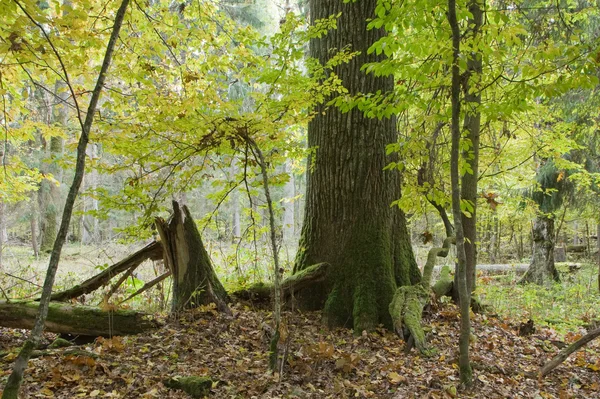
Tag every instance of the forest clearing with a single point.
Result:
(299, 198)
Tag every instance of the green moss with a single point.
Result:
(60, 343)
(363, 283)
(196, 387)
(406, 310)
(444, 283)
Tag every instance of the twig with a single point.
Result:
(22, 279)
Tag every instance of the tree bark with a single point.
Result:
(464, 292)
(598, 254)
(50, 198)
(472, 127)
(13, 384)
(33, 224)
(542, 268)
(2, 229)
(194, 280)
(76, 320)
(348, 221)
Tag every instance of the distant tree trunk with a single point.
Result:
(236, 227)
(2, 233)
(33, 221)
(194, 280)
(90, 233)
(542, 269)
(598, 254)
(289, 192)
(50, 198)
(348, 221)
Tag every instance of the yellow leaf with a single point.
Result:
(47, 393)
(94, 393)
(396, 378)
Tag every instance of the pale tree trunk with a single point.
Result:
(33, 222)
(13, 384)
(289, 192)
(542, 269)
(236, 228)
(598, 254)
(2, 233)
(90, 233)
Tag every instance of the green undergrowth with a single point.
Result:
(564, 307)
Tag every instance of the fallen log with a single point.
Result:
(261, 292)
(564, 354)
(76, 320)
(153, 251)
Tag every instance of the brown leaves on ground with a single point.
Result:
(320, 363)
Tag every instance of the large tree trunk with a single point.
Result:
(76, 320)
(348, 221)
(194, 280)
(542, 269)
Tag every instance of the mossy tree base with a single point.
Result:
(406, 307)
(542, 269)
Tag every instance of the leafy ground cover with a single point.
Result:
(320, 363)
(565, 306)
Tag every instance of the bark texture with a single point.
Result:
(464, 293)
(542, 268)
(194, 280)
(76, 320)
(348, 221)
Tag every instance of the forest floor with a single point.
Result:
(233, 352)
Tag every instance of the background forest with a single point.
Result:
(256, 114)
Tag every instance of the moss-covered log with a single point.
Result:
(151, 251)
(76, 320)
(407, 305)
(290, 286)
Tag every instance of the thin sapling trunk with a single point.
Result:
(14, 380)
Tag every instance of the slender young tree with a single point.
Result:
(13, 384)
(466, 373)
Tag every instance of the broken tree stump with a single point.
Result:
(76, 320)
(194, 280)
